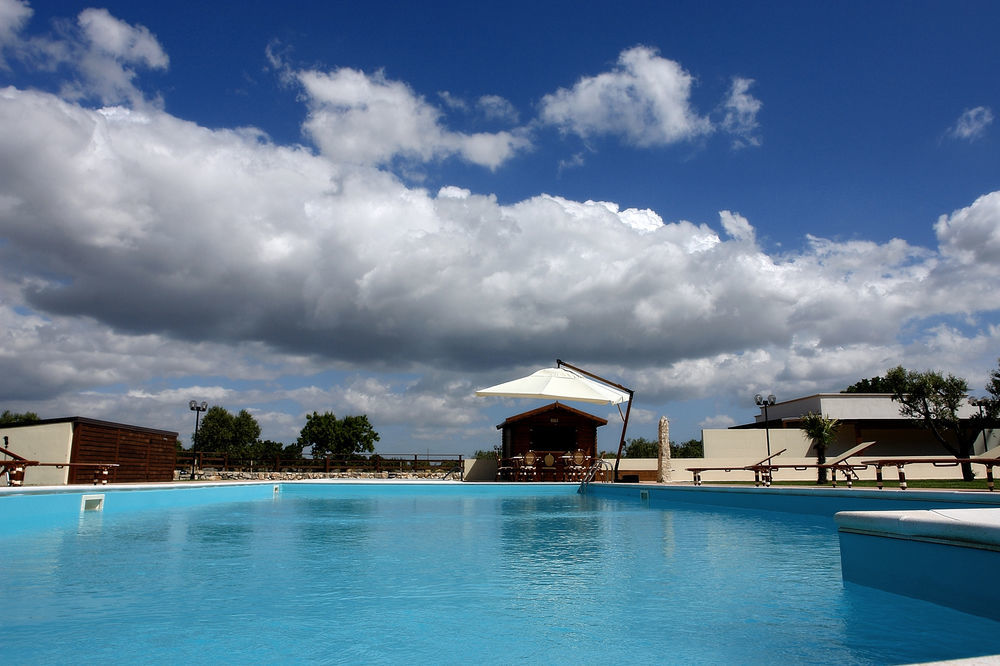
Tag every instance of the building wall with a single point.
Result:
(751, 445)
(523, 436)
(845, 406)
(142, 455)
(51, 442)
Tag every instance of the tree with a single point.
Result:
(292, 451)
(337, 438)
(873, 385)
(991, 404)
(492, 454)
(222, 432)
(693, 448)
(933, 400)
(640, 447)
(822, 431)
(13, 418)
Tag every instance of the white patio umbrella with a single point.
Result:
(567, 382)
(557, 384)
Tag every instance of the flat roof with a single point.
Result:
(89, 421)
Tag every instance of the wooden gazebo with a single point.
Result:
(550, 443)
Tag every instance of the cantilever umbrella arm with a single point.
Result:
(628, 410)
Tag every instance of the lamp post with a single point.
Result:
(765, 403)
(197, 408)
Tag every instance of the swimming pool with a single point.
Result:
(386, 573)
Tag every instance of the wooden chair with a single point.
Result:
(527, 467)
(577, 463)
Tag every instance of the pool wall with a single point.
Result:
(43, 507)
(38, 508)
(945, 556)
(817, 501)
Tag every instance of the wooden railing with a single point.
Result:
(377, 463)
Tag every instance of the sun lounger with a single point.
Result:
(988, 459)
(755, 468)
(841, 464)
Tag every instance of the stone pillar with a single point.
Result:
(663, 459)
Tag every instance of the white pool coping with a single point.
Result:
(975, 528)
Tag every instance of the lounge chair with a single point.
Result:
(841, 464)
(755, 468)
(989, 458)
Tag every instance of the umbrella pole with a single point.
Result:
(628, 410)
(621, 443)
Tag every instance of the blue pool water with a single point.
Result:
(390, 574)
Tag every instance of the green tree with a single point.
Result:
(693, 448)
(292, 451)
(222, 432)
(823, 432)
(873, 385)
(640, 447)
(932, 400)
(337, 438)
(14, 418)
(265, 450)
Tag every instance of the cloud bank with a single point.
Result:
(138, 245)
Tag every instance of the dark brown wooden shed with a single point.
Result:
(554, 427)
(142, 454)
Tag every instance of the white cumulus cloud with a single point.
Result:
(741, 109)
(369, 119)
(645, 99)
(972, 124)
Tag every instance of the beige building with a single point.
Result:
(80, 445)
(864, 417)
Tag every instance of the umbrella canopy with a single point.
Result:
(557, 384)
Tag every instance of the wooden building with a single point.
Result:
(562, 439)
(140, 454)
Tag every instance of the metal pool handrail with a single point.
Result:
(591, 472)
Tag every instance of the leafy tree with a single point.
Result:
(693, 448)
(222, 432)
(492, 454)
(933, 400)
(265, 450)
(292, 451)
(823, 432)
(873, 385)
(337, 438)
(640, 447)
(13, 418)
(992, 403)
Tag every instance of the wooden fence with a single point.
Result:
(397, 462)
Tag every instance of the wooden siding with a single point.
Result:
(554, 427)
(141, 455)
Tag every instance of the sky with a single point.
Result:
(377, 208)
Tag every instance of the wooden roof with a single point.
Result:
(555, 406)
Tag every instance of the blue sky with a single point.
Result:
(379, 207)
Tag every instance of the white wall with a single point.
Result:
(47, 443)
